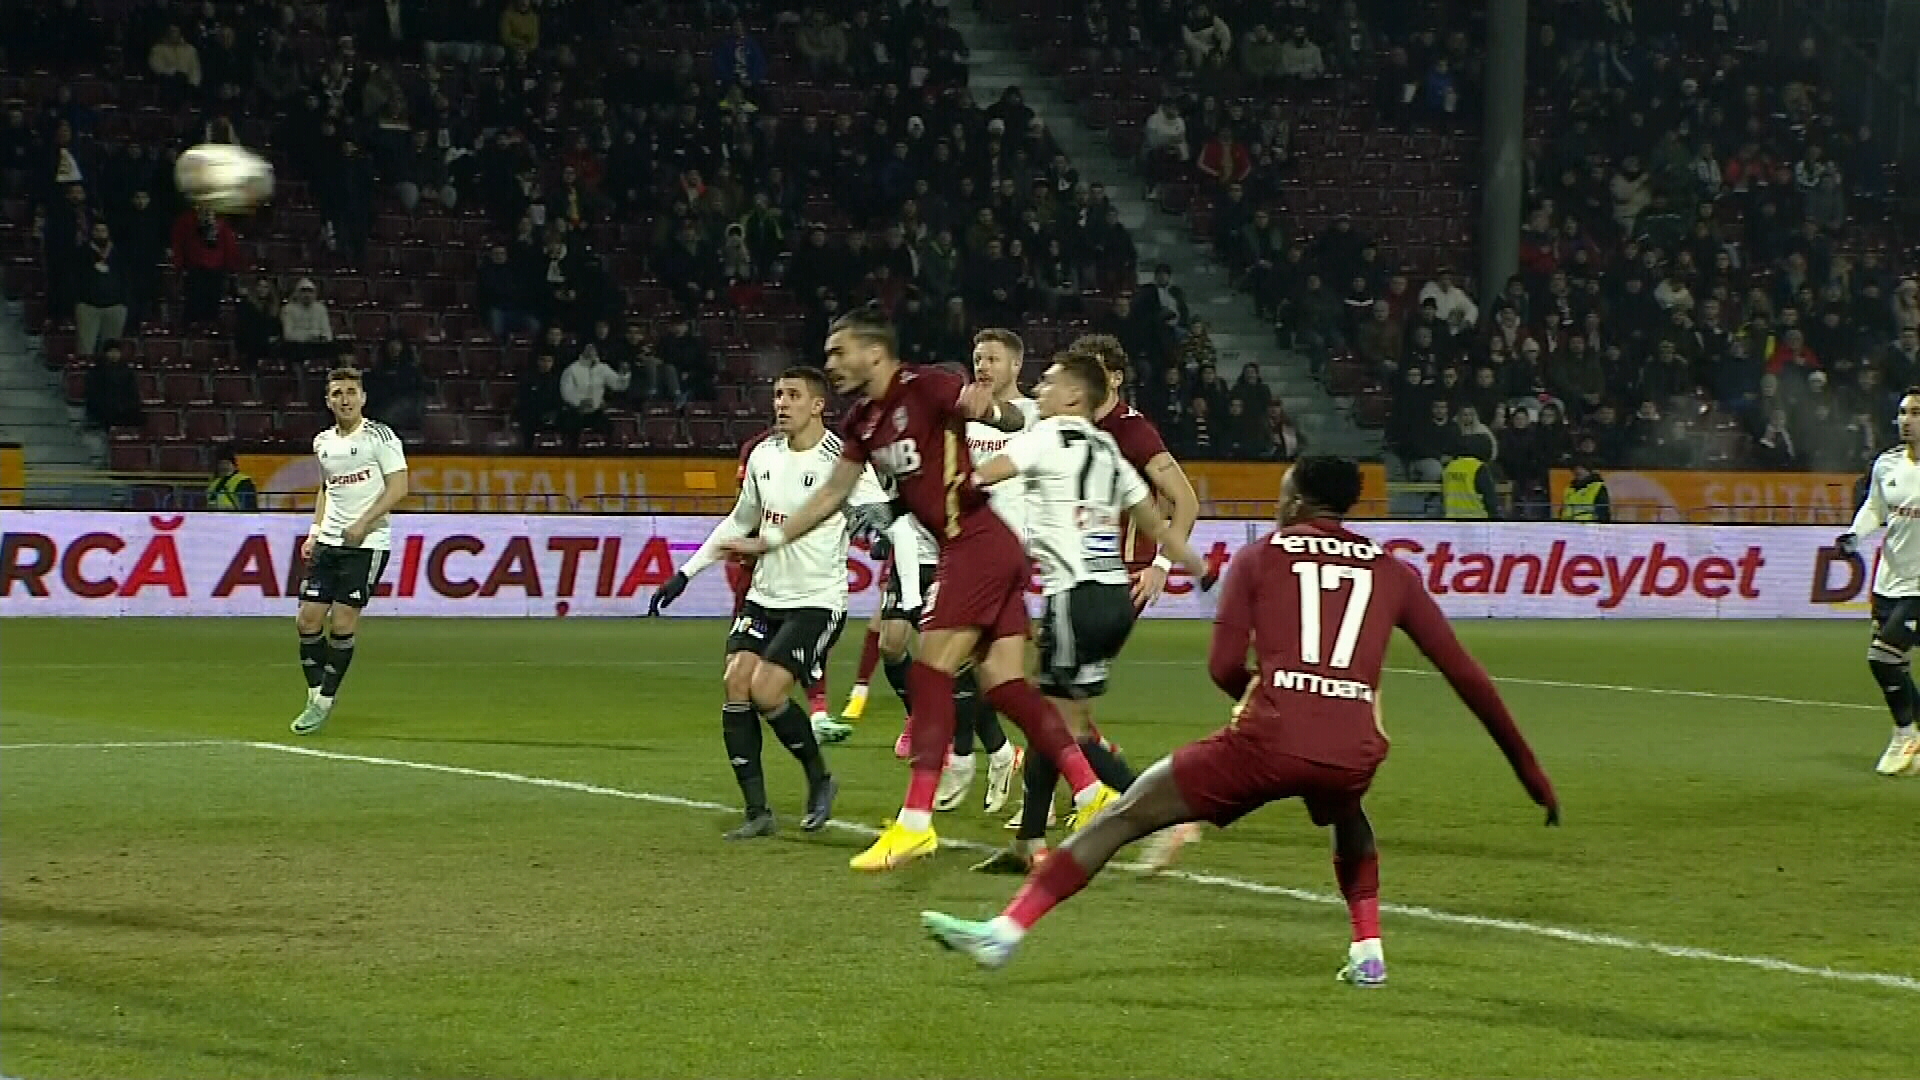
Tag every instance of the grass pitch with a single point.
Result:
(421, 904)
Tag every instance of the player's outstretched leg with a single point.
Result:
(1893, 673)
(1356, 866)
(1153, 803)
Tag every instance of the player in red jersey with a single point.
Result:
(740, 578)
(909, 422)
(1319, 605)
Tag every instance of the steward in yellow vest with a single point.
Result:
(230, 489)
(1467, 490)
(1586, 498)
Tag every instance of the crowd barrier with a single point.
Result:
(100, 563)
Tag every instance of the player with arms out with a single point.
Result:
(909, 422)
(1079, 491)
(363, 476)
(1319, 604)
(1893, 500)
(794, 608)
(740, 579)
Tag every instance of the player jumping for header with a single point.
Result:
(1893, 500)
(795, 606)
(363, 475)
(910, 423)
(1319, 605)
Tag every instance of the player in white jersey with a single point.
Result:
(363, 476)
(1893, 500)
(795, 606)
(1081, 491)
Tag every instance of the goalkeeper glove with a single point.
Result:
(880, 547)
(667, 593)
(1847, 544)
(870, 518)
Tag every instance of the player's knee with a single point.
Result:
(345, 621)
(770, 687)
(1879, 653)
(310, 623)
(738, 679)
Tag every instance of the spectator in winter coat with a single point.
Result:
(520, 26)
(1207, 37)
(504, 297)
(206, 250)
(584, 387)
(1300, 58)
(1450, 298)
(1260, 56)
(1223, 160)
(113, 391)
(100, 294)
(257, 332)
(305, 324)
(822, 44)
(173, 60)
(396, 388)
(539, 406)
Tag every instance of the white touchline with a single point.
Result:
(1763, 699)
(1557, 933)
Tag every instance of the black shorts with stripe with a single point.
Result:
(342, 575)
(797, 639)
(1896, 620)
(1081, 631)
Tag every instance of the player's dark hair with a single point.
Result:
(868, 323)
(815, 379)
(1085, 369)
(1910, 391)
(343, 374)
(1103, 347)
(994, 335)
(1331, 483)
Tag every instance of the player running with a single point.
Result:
(363, 472)
(1319, 605)
(997, 355)
(795, 606)
(1893, 500)
(909, 422)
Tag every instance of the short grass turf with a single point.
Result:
(224, 910)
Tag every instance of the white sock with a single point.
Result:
(1005, 929)
(1367, 950)
(322, 700)
(859, 692)
(1085, 795)
(1003, 755)
(915, 820)
(313, 694)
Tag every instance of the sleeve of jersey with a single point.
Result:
(1233, 626)
(866, 490)
(1139, 441)
(745, 516)
(1025, 450)
(1423, 621)
(1134, 489)
(1873, 512)
(390, 455)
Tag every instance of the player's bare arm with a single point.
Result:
(832, 496)
(996, 470)
(1169, 482)
(977, 403)
(390, 498)
(319, 515)
(1146, 515)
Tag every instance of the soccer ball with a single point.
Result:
(224, 178)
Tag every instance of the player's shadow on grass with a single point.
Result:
(521, 744)
(225, 924)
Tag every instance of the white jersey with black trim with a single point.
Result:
(354, 467)
(1009, 498)
(808, 572)
(1079, 489)
(1893, 500)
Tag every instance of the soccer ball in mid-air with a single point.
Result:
(224, 178)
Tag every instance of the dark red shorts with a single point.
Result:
(981, 583)
(1230, 774)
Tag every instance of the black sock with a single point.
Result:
(313, 658)
(1042, 776)
(795, 732)
(1896, 685)
(966, 699)
(897, 678)
(339, 655)
(741, 730)
(1107, 765)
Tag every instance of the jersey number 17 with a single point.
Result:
(1317, 581)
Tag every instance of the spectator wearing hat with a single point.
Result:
(306, 326)
(230, 489)
(1586, 496)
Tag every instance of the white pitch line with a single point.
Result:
(1557, 933)
(147, 744)
(1761, 699)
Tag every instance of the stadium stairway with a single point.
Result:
(998, 62)
(34, 413)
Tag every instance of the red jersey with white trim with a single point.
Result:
(1319, 605)
(1139, 443)
(914, 435)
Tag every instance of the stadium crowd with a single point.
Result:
(1705, 270)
